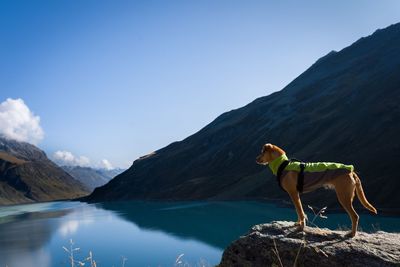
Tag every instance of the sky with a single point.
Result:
(101, 82)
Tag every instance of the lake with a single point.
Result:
(141, 233)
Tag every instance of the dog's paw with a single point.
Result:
(350, 234)
(300, 225)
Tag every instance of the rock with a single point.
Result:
(314, 246)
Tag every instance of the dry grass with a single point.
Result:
(276, 252)
(180, 262)
(90, 261)
(74, 262)
(317, 214)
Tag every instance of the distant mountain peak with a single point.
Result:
(92, 177)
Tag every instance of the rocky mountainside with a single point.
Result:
(344, 108)
(91, 177)
(313, 247)
(27, 175)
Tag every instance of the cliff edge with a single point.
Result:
(281, 244)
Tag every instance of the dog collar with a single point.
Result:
(274, 165)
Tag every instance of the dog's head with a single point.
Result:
(269, 153)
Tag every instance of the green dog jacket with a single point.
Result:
(316, 174)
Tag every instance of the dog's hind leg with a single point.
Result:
(345, 193)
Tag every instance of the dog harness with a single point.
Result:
(311, 175)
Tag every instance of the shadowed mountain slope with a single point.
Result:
(27, 175)
(344, 108)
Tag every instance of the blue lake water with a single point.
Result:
(145, 233)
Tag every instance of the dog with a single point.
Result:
(293, 177)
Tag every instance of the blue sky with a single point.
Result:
(119, 79)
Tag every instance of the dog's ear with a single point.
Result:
(267, 147)
(277, 149)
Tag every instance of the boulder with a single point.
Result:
(282, 244)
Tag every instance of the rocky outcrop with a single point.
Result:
(282, 244)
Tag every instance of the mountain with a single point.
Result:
(91, 177)
(344, 108)
(27, 175)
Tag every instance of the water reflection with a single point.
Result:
(147, 233)
(23, 236)
(214, 223)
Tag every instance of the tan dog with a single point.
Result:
(345, 184)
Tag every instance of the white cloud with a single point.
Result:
(76, 220)
(18, 122)
(68, 228)
(69, 159)
(105, 164)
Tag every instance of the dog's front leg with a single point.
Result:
(294, 195)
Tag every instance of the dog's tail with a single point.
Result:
(361, 195)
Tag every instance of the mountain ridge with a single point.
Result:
(333, 111)
(91, 177)
(27, 175)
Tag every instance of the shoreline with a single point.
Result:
(384, 212)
